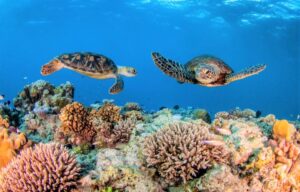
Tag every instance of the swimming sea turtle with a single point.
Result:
(93, 65)
(203, 70)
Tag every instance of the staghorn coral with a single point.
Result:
(43, 94)
(46, 167)
(180, 151)
(108, 112)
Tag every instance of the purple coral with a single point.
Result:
(46, 167)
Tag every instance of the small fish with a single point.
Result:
(176, 107)
(25, 78)
(2, 97)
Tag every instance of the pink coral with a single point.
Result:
(46, 167)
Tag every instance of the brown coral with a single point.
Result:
(47, 167)
(74, 117)
(180, 151)
(109, 134)
(109, 113)
(76, 127)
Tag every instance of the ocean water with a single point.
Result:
(242, 33)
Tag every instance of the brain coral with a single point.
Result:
(180, 151)
(47, 167)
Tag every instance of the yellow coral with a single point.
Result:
(283, 129)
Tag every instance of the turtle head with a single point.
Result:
(127, 71)
(206, 74)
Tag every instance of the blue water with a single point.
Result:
(241, 32)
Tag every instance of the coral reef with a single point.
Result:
(109, 134)
(180, 151)
(243, 138)
(46, 167)
(283, 129)
(201, 114)
(42, 96)
(109, 113)
(76, 127)
(121, 179)
(10, 144)
(40, 127)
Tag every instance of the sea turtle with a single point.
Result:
(93, 65)
(203, 70)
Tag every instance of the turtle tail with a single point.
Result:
(118, 86)
(245, 73)
(51, 67)
(171, 68)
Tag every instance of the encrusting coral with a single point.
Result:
(180, 151)
(46, 167)
(120, 179)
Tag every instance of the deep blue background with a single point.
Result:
(243, 33)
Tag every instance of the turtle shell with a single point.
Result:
(218, 66)
(88, 62)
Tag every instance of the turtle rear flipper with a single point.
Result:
(172, 68)
(245, 73)
(118, 86)
(51, 67)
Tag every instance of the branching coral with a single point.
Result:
(180, 151)
(41, 93)
(109, 134)
(46, 167)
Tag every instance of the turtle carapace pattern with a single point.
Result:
(92, 65)
(203, 70)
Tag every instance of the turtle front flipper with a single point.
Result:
(245, 73)
(51, 67)
(118, 86)
(172, 68)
